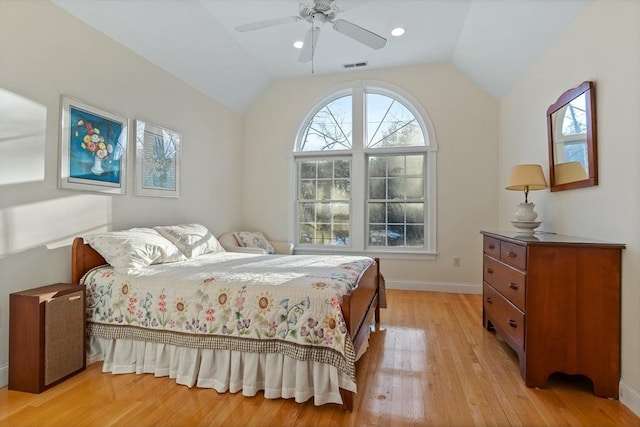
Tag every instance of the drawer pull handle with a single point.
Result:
(511, 254)
(490, 270)
(513, 286)
(513, 323)
(492, 246)
(489, 300)
(74, 298)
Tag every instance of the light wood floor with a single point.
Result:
(430, 363)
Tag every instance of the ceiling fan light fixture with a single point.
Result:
(397, 32)
(318, 13)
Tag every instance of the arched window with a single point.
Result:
(365, 174)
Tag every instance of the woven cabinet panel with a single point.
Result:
(63, 336)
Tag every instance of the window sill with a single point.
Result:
(399, 255)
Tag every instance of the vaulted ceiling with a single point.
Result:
(492, 41)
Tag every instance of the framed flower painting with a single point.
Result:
(93, 149)
(157, 161)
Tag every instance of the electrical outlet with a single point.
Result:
(456, 261)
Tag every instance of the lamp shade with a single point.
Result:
(569, 172)
(526, 178)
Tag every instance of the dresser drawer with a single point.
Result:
(514, 255)
(491, 246)
(506, 280)
(505, 318)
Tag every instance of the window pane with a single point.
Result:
(414, 188)
(395, 235)
(307, 190)
(342, 169)
(396, 188)
(340, 213)
(395, 213)
(377, 213)
(323, 212)
(396, 166)
(307, 212)
(415, 235)
(341, 189)
(341, 235)
(324, 202)
(324, 190)
(323, 234)
(399, 221)
(415, 212)
(308, 170)
(378, 189)
(377, 166)
(415, 165)
(390, 123)
(306, 234)
(325, 169)
(377, 235)
(330, 128)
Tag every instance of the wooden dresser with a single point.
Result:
(555, 300)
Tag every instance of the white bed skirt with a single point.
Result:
(224, 370)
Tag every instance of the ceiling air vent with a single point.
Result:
(355, 65)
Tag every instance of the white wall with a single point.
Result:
(45, 53)
(603, 45)
(465, 120)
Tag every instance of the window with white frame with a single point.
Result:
(365, 174)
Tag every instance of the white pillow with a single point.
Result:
(192, 239)
(129, 250)
(256, 239)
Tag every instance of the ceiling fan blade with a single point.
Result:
(268, 23)
(310, 44)
(358, 33)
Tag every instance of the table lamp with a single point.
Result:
(526, 178)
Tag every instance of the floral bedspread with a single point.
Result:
(255, 303)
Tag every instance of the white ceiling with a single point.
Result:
(492, 41)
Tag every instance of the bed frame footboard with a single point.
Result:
(360, 308)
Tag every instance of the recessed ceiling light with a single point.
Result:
(397, 32)
(298, 44)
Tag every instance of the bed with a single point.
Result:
(228, 326)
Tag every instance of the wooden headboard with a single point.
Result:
(83, 259)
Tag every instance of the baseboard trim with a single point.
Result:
(456, 288)
(4, 375)
(630, 397)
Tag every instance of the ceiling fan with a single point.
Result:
(317, 13)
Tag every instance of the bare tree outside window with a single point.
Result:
(330, 128)
(390, 124)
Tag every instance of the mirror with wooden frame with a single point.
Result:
(571, 125)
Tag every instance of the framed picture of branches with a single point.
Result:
(157, 160)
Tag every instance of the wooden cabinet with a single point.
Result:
(555, 300)
(46, 336)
